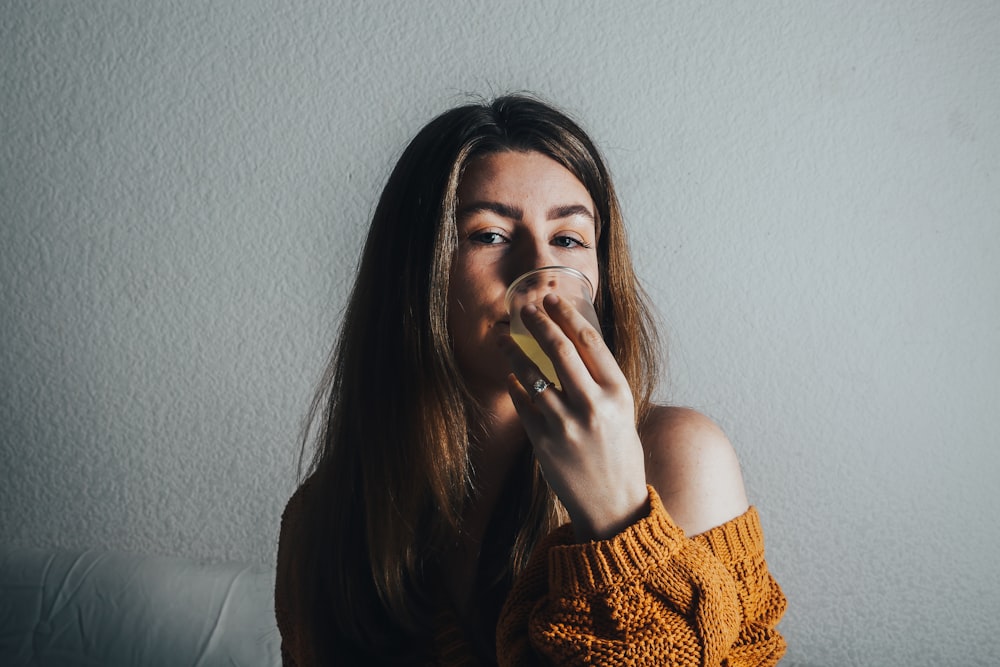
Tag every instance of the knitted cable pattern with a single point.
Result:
(648, 596)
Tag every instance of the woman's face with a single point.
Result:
(517, 211)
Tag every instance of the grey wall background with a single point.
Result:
(813, 191)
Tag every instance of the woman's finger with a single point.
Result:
(532, 382)
(587, 339)
(533, 420)
(576, 349)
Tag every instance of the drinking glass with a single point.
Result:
(571, 285)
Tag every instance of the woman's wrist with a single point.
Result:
(613, 518)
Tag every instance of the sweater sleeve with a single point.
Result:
(648, 596)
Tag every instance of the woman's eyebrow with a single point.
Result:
(503, 210)
(569, 211)
(515, 213)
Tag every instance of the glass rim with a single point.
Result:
(562, 269)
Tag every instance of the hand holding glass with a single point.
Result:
(569, 284)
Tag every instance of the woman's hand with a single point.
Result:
(584, 436)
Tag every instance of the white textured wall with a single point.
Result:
(814, 194)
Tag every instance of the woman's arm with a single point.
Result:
(648, 596)
(624, 583)
(694, 469)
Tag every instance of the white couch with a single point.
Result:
(106, 609)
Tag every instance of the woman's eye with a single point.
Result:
(487, 238)
(569, 242)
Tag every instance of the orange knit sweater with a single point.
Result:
(648, 596)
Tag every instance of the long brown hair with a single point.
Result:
(391, 474)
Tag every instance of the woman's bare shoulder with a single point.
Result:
(693, 467)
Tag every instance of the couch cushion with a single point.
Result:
(63, 608)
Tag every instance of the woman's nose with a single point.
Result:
(534, 254)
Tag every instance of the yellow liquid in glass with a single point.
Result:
(534, 352)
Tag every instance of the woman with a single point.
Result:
(459, 510)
